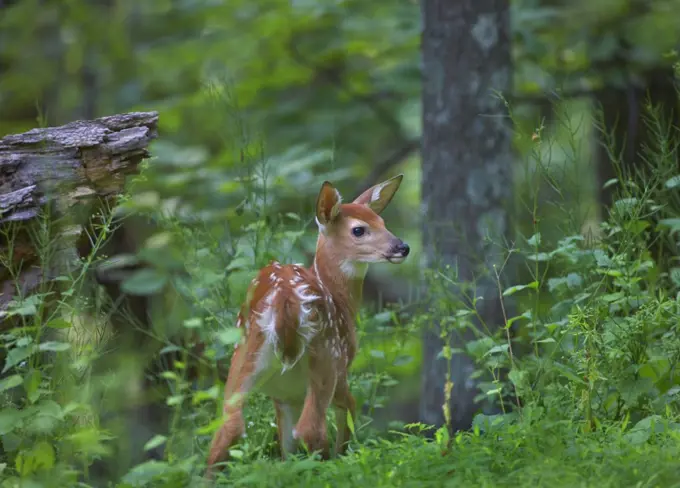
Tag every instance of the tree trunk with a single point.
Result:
(466, 174)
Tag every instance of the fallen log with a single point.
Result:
(57, 173)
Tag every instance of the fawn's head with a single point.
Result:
(354, 232)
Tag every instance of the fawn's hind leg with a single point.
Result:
(311, 426)
(240, 376)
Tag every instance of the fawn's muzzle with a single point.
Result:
(399, 252)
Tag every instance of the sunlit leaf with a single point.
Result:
(154, 442)
(55, 346)
(673, 182)
(17, 355)
(514, 289)
(10, 382)
(230, 336)
(59, 323)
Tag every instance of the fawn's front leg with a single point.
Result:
(311, 427)
(344, 405)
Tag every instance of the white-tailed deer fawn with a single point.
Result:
(299, 322)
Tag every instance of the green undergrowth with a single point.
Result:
(543, 452)
(546, 455)
(581, 371)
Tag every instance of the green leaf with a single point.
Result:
(236, 453)
(526, 315)
(55, 346)
(10, 382)
(569, 373)
(377, 354)
(143, 474)
(626, 205)
(644, 429)
(158, 241)
(10, 419)
(230, 336)
(383, 317)
(40, 457)
(239, 262)
(193, 323)
(144, 282)
(26, 309)
(442, 436)
(672, 224)
(539, 256)
(170, 348)
(514, 289)
(154, 442)
(486, 423)
(518, 377)
(497, 349)
(535, 240)
(120, 261)
(304, 465)
(402, 360)
(203, 395)
(169, 375)
(610, 182)
(32, 384)
(211, 427)
(174, 400)
(675, 276)
(59, 324)
(673, 182)
(17, 355)
(350, 422)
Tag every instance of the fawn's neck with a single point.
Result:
(343, 279)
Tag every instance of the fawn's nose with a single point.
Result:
(403, 249)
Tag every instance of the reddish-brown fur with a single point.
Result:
(304, 318)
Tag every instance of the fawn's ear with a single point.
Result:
(379, 196)
(327, 204)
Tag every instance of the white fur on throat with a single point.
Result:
(353, 269)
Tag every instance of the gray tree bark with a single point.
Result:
(466, 174)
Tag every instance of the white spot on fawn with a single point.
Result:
(267, 319)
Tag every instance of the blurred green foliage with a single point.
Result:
(259, 102)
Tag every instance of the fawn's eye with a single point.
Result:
(358, 231)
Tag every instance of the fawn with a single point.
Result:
(299, 326)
